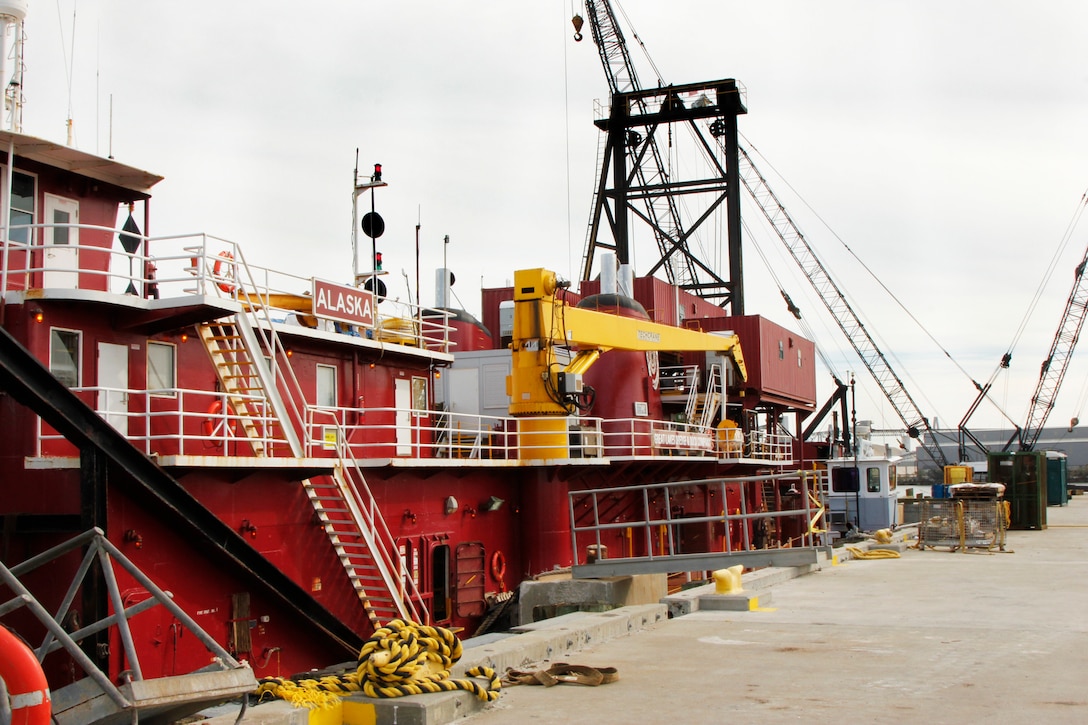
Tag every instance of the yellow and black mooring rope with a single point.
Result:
(401, 658)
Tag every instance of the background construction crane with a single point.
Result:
(628, 100)
(1057, 360)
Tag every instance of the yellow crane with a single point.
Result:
(546, 390)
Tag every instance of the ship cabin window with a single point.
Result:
(844, 480)
(872, 480)
(440, 582)
(64, 357)
(419, 396)
(22, 206)
(326, 386)
(162, 376)
(891, 478)
(781, 351)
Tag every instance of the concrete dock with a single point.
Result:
(932, 636)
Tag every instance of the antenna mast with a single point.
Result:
(12, 14)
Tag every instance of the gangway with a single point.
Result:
(650, 517)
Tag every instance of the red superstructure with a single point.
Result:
(309, 475)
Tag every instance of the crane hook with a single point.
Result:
(577, 21)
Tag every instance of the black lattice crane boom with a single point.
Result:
(738, 172)
(633, 174)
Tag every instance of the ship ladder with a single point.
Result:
(712, 400)
(365, 554)
(245, 385)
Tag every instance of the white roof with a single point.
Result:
(79, 162)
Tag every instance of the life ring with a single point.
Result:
(223, 272)
(214, 422)
(498, 566)
(27, 689)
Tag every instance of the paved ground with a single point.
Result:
(933, 637)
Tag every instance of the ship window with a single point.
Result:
(872, 480)
(22, 206)
(64, 356)
(781, 351)
(844, 480)
(891, 477)
(162, 377)
(419, 396)
(326, 386)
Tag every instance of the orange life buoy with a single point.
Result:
(213, 424)
(498, 566)
(28, 691)
(223, 272)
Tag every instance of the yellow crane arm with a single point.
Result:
(541, 322)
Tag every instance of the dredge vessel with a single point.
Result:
(288, 462)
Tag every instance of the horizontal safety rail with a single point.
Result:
(186, 422)
(653, 514)
(176, 266)
(175, 421)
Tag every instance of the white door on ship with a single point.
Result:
(60, 243)
(113, 385)
(402, 401)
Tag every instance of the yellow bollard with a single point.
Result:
(727, 581)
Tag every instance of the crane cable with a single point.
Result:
(1003, 363)
(794, 310)
(888, 352)
(1069, 229)
(851, 252)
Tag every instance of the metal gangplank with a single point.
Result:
(650, 515)
(95, 699)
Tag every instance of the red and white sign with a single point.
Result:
(343, 303)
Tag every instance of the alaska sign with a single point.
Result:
(343, 303)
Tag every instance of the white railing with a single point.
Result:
(774, 447)
(177, 421)
(678, 378)
(184, 265)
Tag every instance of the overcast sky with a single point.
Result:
(944, 142)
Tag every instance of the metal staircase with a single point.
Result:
(364, 545)
(703, 405)
(241, 383)
(267, 396)
(712, 399)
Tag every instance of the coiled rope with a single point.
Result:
(401, 658)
